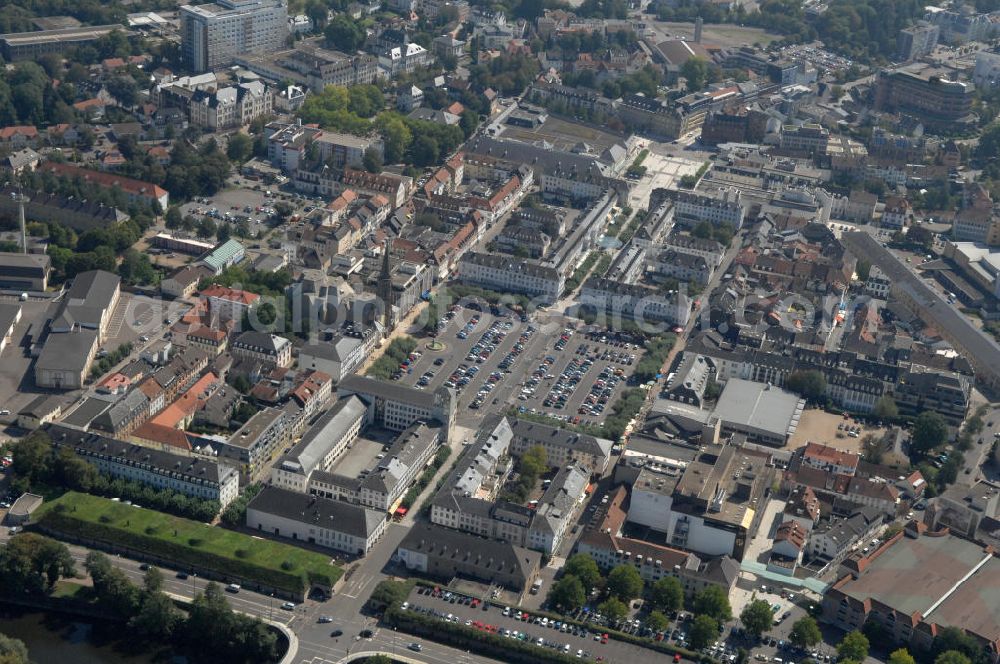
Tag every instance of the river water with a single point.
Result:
(59, 638)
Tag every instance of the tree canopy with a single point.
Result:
(756, 617)
(625, 583)
(929, 431)
(713, 601)
(805, 632)
(853, 646)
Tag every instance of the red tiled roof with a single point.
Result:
(110, 180)
(231, 294)
(28, 131)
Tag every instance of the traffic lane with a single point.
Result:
(612, 651)
(245, 601)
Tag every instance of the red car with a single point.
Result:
(677, 657)
(604, 638)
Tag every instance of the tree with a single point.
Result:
(32, 563)
(712, 601)
(805, 632)
(240, 147)
(952, 657)
(953, 638)
(344, 34)
(704, 630)
(901, 656)
(863, 270)
(613, 609)
(695, 72)
(158, 618)
(13, 651)
(885, 408)
(929, 431)
(173, 218)
(372, 161)
(756, 617)
(625, 583)
(810, 384)
(124, 89)
(425, 150)
(152, 581)
(702, 230)
(583, 567)
(33, 457)
(853, 646)
(657, 621)
(568, 593)
(667, 594)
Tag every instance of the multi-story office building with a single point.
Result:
(917, 40)
(810, 139)
(562, 447)
(510, 275)
(396, 407)
(212, 35)
(926, 93)
(192, 476)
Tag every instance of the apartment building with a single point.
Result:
(192, 476)
(212, 35)
(510, 275)
(262, 347)
(562, 447)
(634, 302)
(255, 443)
(724, 206)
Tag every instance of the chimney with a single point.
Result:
(698, 23)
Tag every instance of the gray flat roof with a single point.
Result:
(8, 314)
(317, 441)
(67, 351)
(760, 406)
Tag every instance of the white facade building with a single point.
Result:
(192, 476)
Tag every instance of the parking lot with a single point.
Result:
(588, 643)
(484, 355)
(496, 360)
(579, 376)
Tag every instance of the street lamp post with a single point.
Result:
(193, 589)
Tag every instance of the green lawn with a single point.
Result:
(188, 543)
